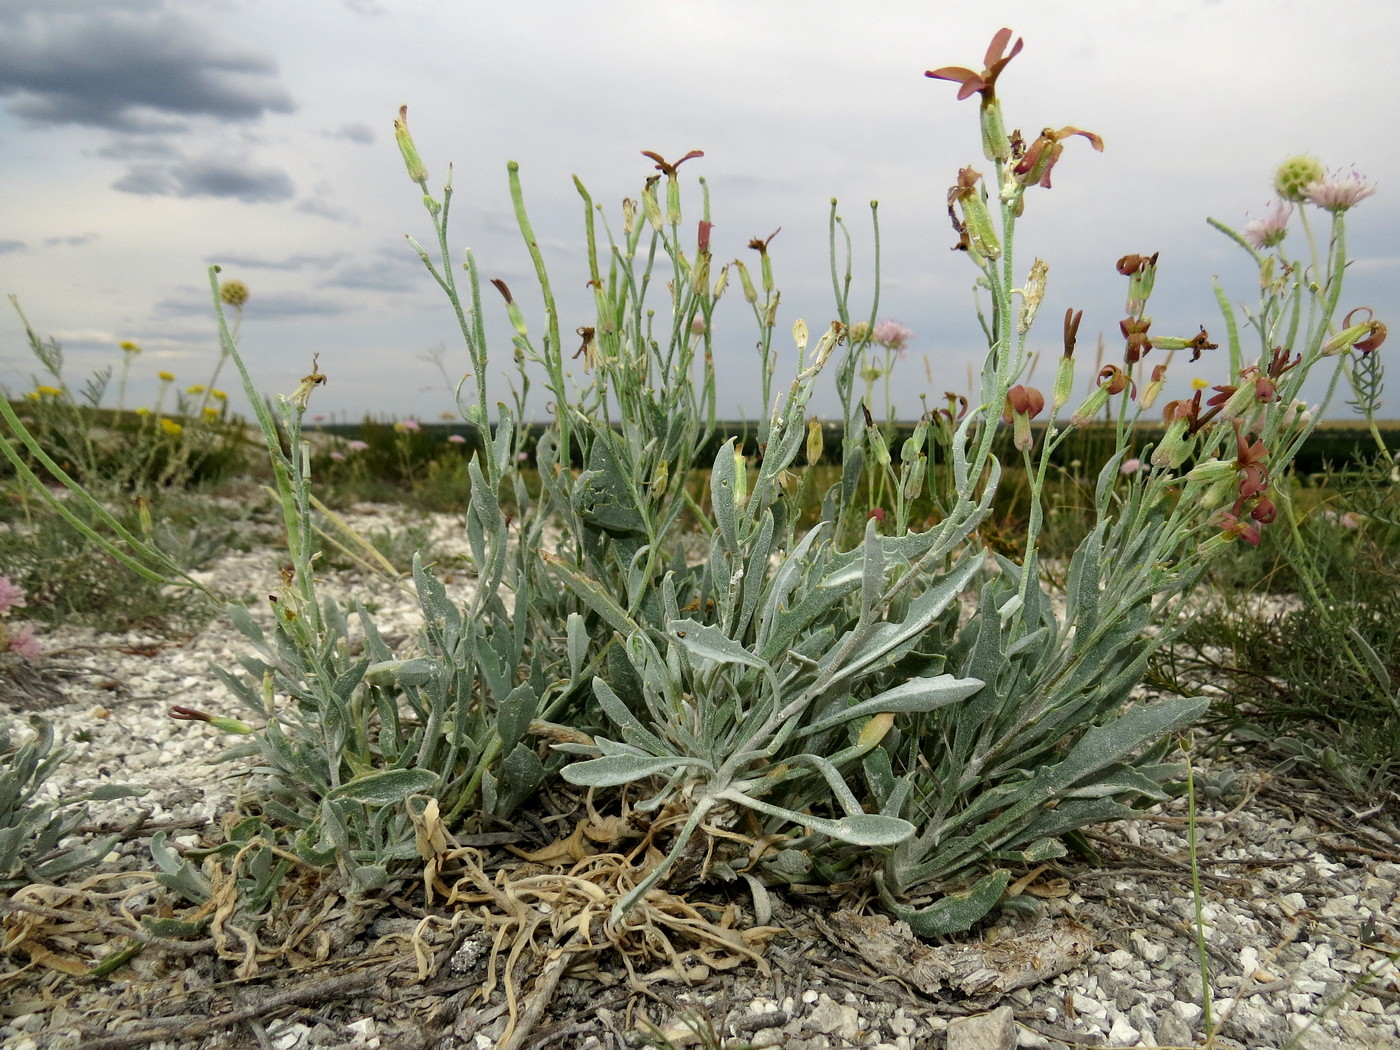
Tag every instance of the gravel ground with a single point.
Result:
(1300, 910)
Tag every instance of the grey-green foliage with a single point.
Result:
(32, 829)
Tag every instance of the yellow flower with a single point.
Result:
(218, 395)
(166, 377)
(48, 391)
(143, 411)
(234, 293)
(33, 395)
(171, 427)
(210, 412)
(128, 347)
(1199, 384)
(196, 389)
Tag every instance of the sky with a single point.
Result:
(143, 140)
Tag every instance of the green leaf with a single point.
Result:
(513, 717)
(385, 787)
(613, 770)
(710, 643)
(1104, 745)
(860, 829)
(633, 731)
(576, 642)
(954, 913)
(917, 694)
(722, 479)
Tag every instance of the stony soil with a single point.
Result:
(1299, 910)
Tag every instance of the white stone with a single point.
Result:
(1121, 1033)
(810, 996)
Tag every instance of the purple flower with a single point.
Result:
(356, 446)
(1338, 192)
(1272, 228)
(892, 335)
(22, 641)
(11, 595)
(457, 439)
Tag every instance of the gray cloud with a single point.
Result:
(208, 177)
(319, 206)
(290, 263)
(135, 67)
(393, 271)
(6, 247)
(359, 133)
(271, 306)
(73, 241)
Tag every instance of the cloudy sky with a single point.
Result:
(143, 140)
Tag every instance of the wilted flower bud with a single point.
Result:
(1031, 295)
(417, 170)
(976, 219)
(1153, 387)
(816, 442)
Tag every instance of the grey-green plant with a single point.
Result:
(854, 700)
(34, 829)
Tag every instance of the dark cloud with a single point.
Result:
(209, 177)
(359, 133)
(6, 247)
(135, 67)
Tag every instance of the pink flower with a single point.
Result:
(456, 439)
(11, 595)
(1338, 192)
(1130, 466)
(1272, 228)
(409, 425)
(892, 335)
(356, 446)
(339, 457)
(22, 641)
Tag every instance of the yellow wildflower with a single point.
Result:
(143, 411)
(33, 395)
(196, 389)
(218, 395)
(166, 377)
(210, 412)
(48, 391)
(1199, 384)
(171, 427)
(128, 347)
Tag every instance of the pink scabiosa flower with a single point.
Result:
(22, 641)
(356, 446)
(11, 595)
(1338, 192)
(892, 335)
(1271, 228)
(408, 426)
(339, 457)
(456, 439)
(1129, 467)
